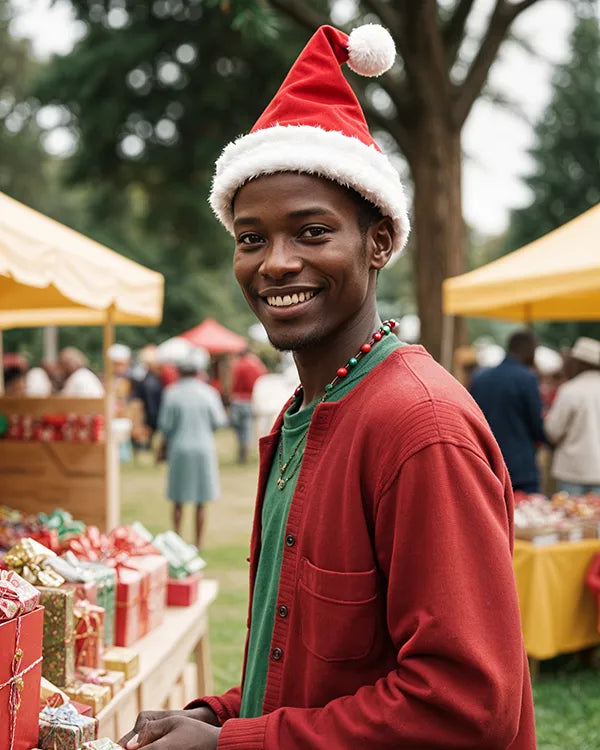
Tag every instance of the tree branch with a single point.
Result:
(454, 31)
(466, 93)
(393, 127)
(302, 13)
(386, 13)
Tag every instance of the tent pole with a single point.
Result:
(447, 342)
(112, 507)
(1, 363)
(50, 347)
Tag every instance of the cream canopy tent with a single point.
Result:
(554, 278)
(51, 275)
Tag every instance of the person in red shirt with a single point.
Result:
(245, 371)
(383, 608)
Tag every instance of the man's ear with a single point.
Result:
(381, 242)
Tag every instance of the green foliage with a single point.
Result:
(566, 178)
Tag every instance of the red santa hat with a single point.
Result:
(315, 125)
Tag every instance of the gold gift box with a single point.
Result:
(121, 659)
(96, 696)
(111, 678)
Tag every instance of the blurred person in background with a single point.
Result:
(78, 380)
(14, 382)
(509, 397)
(573, 423)
(246, 370)
(189, 414)
(149, 389)
(37, 383)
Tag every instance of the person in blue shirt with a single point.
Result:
(509, 397)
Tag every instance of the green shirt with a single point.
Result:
(274, 519)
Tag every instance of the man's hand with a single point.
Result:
(201, 714)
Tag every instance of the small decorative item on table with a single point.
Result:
(17, 596)
(184, 592)
(124, 660)
(114, 680)
(88, 634)
(132, 587)
(63, 727)
(20, 669)
(96, 696)
(59, 623)
(106, 582)
(153, 599)
(102, 744)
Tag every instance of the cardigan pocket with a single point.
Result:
(338, 612)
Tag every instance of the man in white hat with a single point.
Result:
(383, 608)
(573, 423)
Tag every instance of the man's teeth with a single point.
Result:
(290, 299)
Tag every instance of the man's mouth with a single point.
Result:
(289, 300)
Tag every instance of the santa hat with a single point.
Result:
(315, 125)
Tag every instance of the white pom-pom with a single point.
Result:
(371, 50)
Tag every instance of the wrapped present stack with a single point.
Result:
(81, 602)
(47, 428)
(562, 518)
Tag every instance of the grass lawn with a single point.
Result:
(567, 698)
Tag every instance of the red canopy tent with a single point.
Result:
(215, 338)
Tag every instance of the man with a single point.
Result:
(573, 423)
(509, 397)
(246, 370)
(149, 389)
(383, 610)
(79, 380)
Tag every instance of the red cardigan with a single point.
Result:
(397, 623)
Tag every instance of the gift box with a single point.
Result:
(51, 695)
(59, 624)
(183, 558)
(17, 596)
(20, 676)
(184, 592)
(112, 679)
(132, 585)
(124, 660)
(29, 559)
(105, 579)
(85, 591)
(63, 523)
(88, 634)
(102, 744)
(96, 696)
(65, 728)
(153, 599)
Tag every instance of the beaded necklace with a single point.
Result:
(385, 328)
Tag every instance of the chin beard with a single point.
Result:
(291, 343)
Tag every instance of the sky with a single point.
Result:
(495, 141)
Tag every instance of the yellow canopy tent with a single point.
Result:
(557, 277)
(51, 275)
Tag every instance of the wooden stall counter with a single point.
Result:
(167, 679)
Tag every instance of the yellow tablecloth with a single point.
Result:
(558, 612)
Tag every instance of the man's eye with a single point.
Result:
(250, 239)
(313, 232)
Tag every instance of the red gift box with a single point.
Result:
(183, 592)
(82, 708)
(20, 677)
(130, 585)
(89, 635)
(154, 590)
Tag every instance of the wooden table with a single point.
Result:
(167, 677)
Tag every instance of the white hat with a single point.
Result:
(547, 361)
(587, 350)
(119, 353)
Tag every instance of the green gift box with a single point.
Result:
(183, 558)
(58, 644)
(106, 580)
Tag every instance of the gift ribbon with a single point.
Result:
(92, 621)
(16, 684)
(29, 559)
(63, 716)
(17, 596)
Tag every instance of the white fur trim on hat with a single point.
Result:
(310, 150)
(371, 50)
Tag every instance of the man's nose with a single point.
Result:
(281, 258)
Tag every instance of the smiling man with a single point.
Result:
(383, 609)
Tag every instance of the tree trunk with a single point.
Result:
(438, 225)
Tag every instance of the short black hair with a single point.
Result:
(367, 212)
(521, 341)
